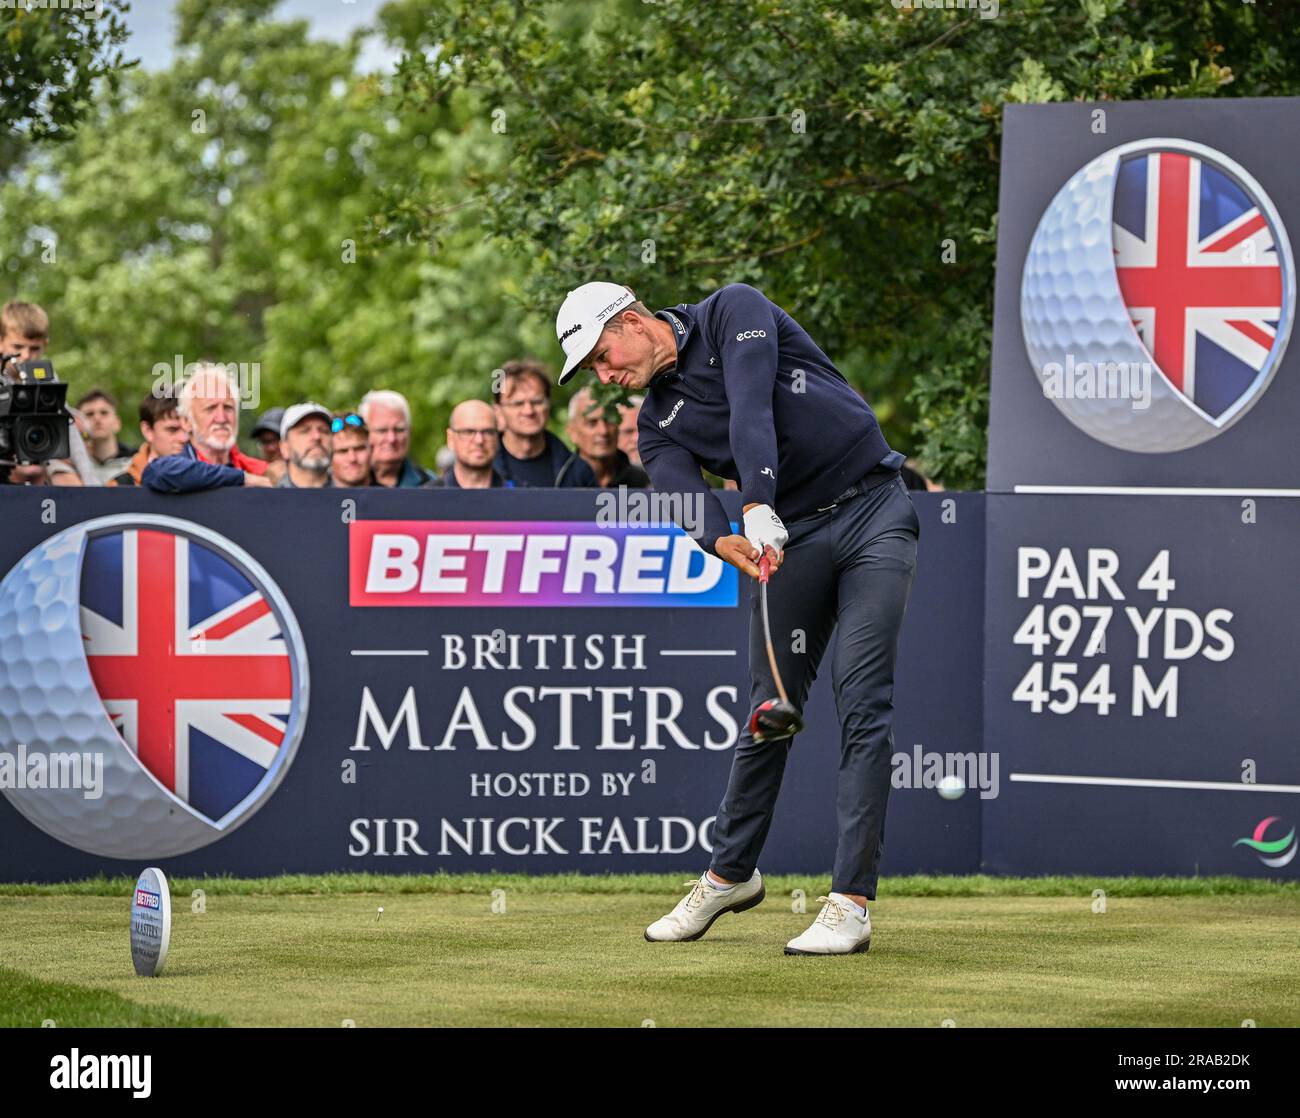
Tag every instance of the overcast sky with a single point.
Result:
(153, 28)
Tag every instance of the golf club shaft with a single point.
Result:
(767, 629)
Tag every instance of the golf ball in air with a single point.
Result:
(952, 787)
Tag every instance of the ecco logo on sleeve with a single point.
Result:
(746, 335)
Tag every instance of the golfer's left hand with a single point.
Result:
(763, 528)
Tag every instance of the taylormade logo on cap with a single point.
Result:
(582, 318)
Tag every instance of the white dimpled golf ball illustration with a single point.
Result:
(1157, 296)
(163, 650)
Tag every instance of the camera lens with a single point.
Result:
(47, 399)
(23, 399)
(37, 439)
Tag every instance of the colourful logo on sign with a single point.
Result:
(190, 662)
(1272, 852)
(531, 563)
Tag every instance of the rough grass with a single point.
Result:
(30, 1002)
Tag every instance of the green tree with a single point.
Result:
(218, 210)
(843, 158)
(50, 60)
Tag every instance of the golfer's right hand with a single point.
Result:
(256, 481)
(743, 555)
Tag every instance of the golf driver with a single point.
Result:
(775, 719)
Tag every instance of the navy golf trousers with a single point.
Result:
(847, 573)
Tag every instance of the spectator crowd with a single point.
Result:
(189, 436)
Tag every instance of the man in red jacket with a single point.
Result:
(208, 403)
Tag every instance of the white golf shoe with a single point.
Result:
(840, 929)
(696, 912)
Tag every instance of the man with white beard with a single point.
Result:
(307, 446)
(208, 404)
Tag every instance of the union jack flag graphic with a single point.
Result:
(189, 661)
(1199, 271)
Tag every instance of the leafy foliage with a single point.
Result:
(217, 211)
(842, 158)
(50, 60)
(260, 201)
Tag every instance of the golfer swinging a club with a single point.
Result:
(733, 384)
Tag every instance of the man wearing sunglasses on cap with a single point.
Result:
(351, 468)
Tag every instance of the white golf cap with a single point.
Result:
(296, 413)
(582, 319)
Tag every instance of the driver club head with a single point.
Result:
(775, 720)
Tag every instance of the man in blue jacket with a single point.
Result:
(527, 454)
(735, 385)
(208, 404)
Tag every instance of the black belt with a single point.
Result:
(873, 480)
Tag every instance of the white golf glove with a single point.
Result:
(763, 528)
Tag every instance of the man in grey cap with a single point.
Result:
(735, 385)
(307, 446)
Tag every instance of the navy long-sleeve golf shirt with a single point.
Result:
(752, 398)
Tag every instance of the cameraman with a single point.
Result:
(25, 336)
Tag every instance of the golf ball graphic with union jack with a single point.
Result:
(1157, 296)
(163, 650)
